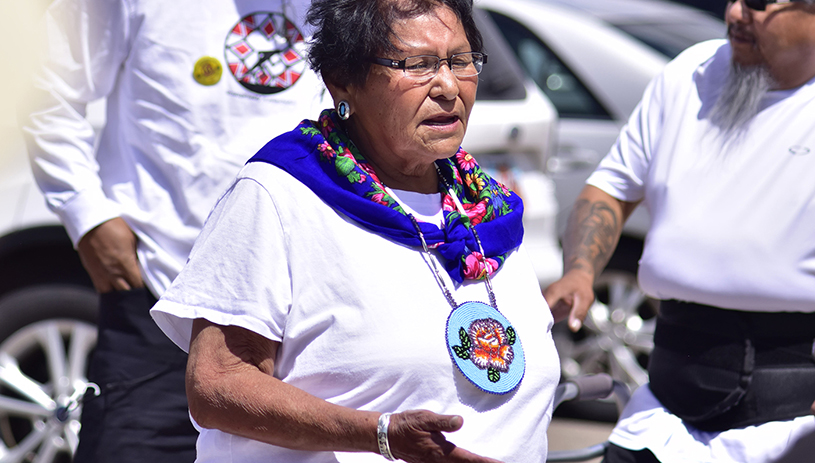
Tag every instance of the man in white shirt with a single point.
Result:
(721, 151)
(194, 88)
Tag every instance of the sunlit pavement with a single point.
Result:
(568, 434)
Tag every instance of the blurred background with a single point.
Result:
(562, 79)
(19, 48)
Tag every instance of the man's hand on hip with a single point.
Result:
(108, 253)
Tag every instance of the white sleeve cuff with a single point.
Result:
(85, 211)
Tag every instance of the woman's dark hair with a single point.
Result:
(348, 33)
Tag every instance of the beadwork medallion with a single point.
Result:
(485, 347)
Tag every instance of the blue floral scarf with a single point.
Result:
(321, 156)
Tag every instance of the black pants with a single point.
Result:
(615, 454)
(141, 414)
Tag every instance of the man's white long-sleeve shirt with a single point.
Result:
(171, 144)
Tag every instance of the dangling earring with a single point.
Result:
(344, 110)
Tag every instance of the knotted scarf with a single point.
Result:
(322, 157)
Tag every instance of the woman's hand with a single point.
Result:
(230, 387)
(416, 436)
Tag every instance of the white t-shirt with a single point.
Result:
(732, 226)
(646, 424)
(425, 207)
(171, 144)
(361, 320)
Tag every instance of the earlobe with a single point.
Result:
(342, 96)
(344, 109)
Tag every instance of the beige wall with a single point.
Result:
(20, 43)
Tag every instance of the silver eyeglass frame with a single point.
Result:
(401, 64)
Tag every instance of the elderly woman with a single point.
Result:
(362, 286)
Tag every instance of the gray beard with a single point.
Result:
(741, 97)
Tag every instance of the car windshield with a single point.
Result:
(671, 38)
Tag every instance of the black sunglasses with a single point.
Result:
(761, 5)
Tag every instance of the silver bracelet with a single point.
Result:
(382, 436)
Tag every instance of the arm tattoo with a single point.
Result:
(592, 234)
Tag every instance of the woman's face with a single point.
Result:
(405, 124)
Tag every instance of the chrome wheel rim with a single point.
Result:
(42, 381)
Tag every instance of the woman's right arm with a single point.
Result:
(230, 387)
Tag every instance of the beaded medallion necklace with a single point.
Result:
(480, 340)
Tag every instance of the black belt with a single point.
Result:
(720, 369)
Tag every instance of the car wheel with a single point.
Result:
(617, 335)
(46, 337)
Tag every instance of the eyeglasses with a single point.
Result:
(761, 5)
(427, 66)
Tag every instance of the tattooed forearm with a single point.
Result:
(592, 233)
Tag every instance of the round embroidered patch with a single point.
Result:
(265, 52)
(207, 71)
(485, 347)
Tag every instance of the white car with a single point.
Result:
(48, 306)
(593, 59)
(665, 26)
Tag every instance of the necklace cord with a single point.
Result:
(471, 227)
(432, 264)
(487, 279)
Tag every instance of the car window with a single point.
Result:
(671, 38)
(568, 94)
(502, 77)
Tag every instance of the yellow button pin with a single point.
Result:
(207, 71)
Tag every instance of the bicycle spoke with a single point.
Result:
(21, 452)
(15, 407)
(11, 376)
(83, 339)
(51, 341)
